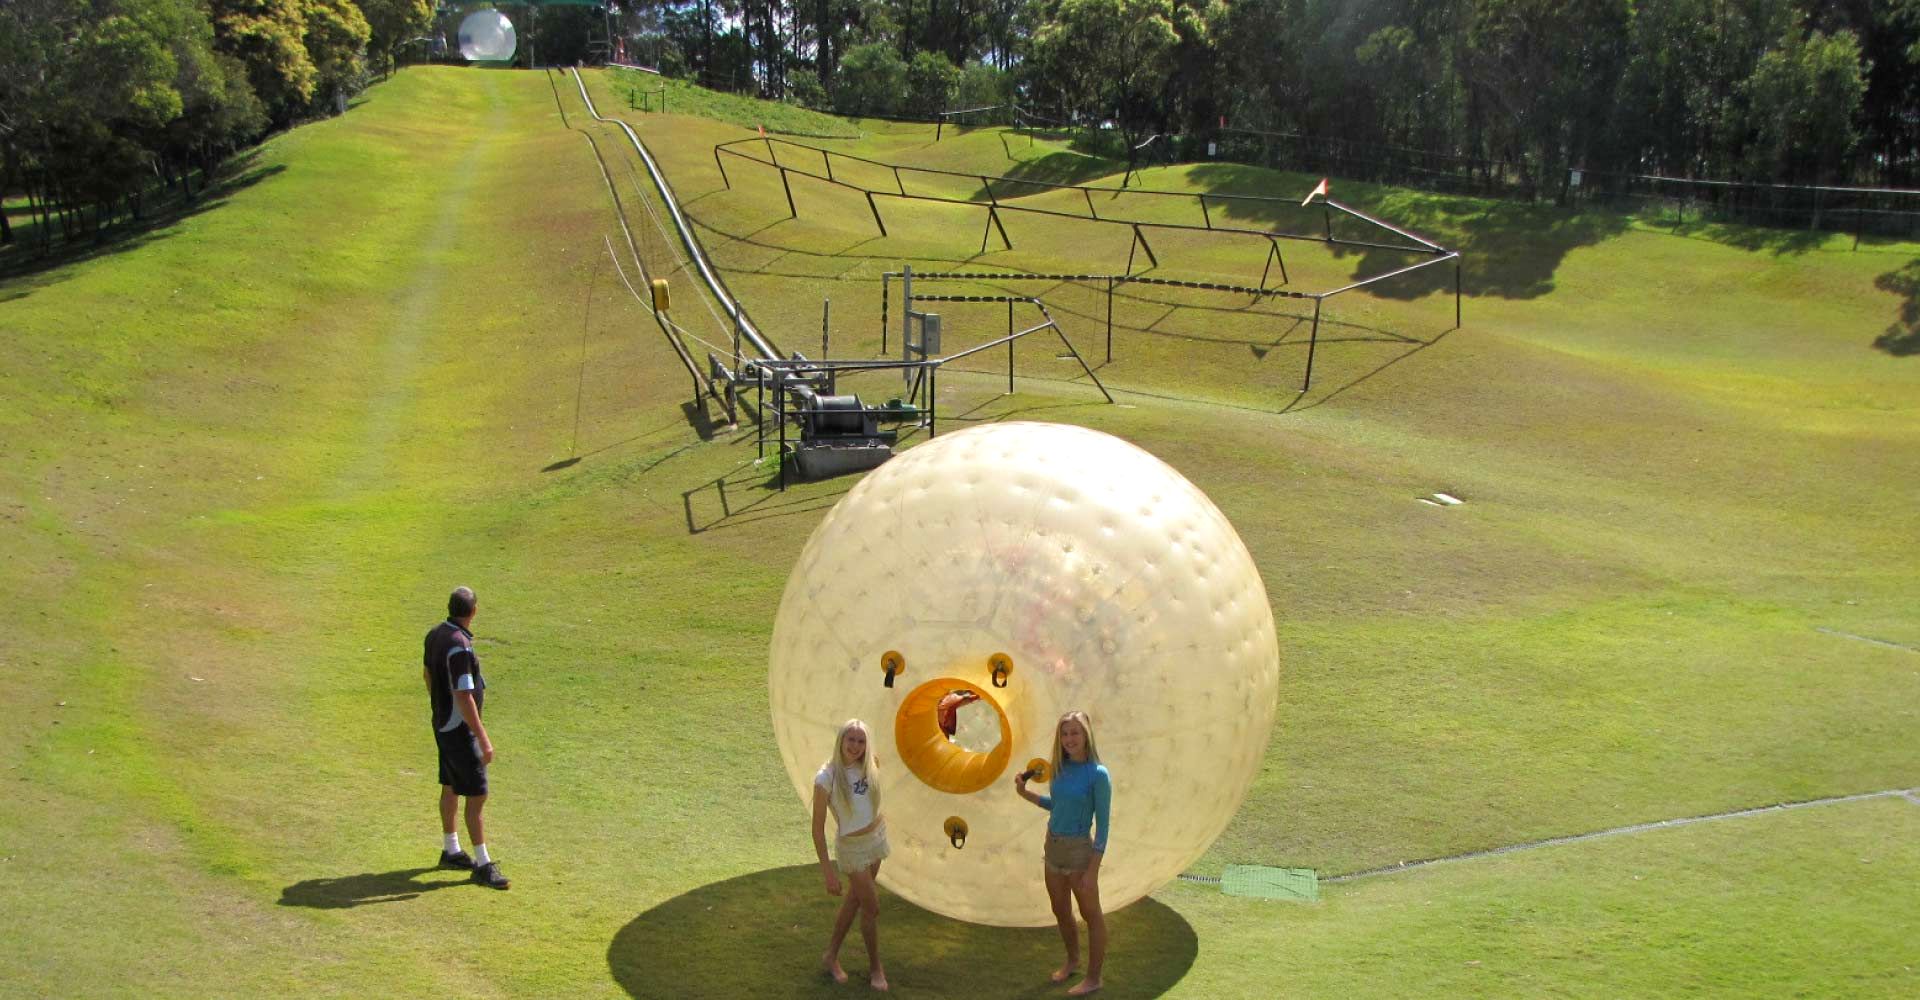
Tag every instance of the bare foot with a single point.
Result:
(1085, 987)
(830, 964)
(1060, 975)
(878, 980)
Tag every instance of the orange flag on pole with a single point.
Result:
(1319, 191)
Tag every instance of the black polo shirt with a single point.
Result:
(452, 666)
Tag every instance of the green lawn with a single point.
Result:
(646, 92)
(242, 461)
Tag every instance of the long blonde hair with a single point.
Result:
(840, 789)
(1086, 724)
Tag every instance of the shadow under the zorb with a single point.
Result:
(763, 934)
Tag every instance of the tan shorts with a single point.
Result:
(1068, 855)
(861, 851)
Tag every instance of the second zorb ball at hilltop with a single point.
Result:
(487, 36)
(1043, 567)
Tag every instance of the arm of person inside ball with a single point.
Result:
(1020, 785)
(820, 840)
(460, 665)
(1102, 799)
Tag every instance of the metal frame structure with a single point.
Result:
(1114, 281)
(1414, 243)
(746, 333)
(774, 379)
(993, 204)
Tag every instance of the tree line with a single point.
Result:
(1773, 91)
(105, 102)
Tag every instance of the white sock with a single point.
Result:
(453, 843)
(480, 855)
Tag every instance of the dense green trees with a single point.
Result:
(102, 101)
(1796, 91)
(391, 25)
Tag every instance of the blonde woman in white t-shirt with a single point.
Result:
(848, 786)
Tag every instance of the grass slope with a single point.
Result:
(244, 460)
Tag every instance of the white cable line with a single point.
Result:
(663, 319)
(1906, 793)
(707, 273)
(680, 261)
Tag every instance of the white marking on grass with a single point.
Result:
(1862, 638)
(1905, 793)
(1448, 499)
(1428, 502)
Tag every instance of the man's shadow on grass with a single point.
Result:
(762, 935)
(349, 891)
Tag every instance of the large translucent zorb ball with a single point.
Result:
(1098, 579)
(487, 36)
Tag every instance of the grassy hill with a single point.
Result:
(242, 460)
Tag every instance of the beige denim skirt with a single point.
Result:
(1068, 855)
(861, 850)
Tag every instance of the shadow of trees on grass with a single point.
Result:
(24, 268)
(1902, 338)
(1779, 242)
(762, 935)
(1510, 249)
(1057, 167)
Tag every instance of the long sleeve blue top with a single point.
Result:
(1081, 794)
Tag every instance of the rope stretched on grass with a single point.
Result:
(1909, 794)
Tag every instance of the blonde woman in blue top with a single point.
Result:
(848, 786)
(1076, 843)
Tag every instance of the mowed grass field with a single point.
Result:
(246, 457)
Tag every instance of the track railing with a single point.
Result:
(995, 186)
(709, 274)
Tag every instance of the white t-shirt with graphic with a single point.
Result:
(860, 803)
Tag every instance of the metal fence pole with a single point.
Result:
(1313, 341)
(1109, 319)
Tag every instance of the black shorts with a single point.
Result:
(460, 763)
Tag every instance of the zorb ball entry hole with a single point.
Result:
(936, 756)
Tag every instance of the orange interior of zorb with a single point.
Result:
(932, 757)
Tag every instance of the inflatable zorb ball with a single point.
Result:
(487, 36)
(1045, 568)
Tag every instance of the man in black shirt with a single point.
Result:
(457, 690)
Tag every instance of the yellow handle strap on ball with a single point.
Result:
(1000, 666)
